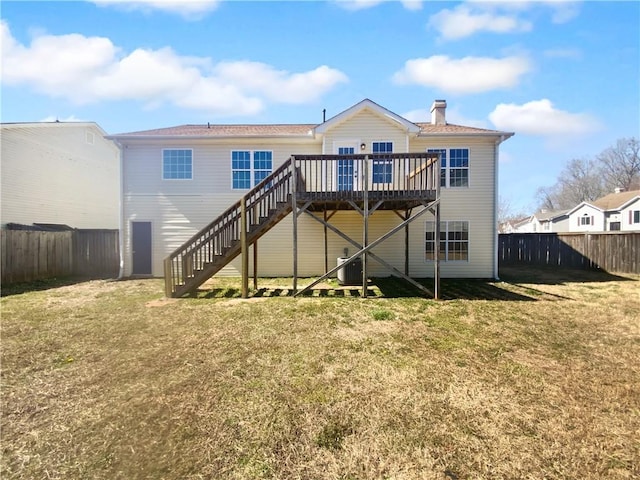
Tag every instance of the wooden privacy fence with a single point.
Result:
(36, 255)
(612, 252)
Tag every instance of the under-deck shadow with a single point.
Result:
(454, 289)
(549, 275)
(394, 287)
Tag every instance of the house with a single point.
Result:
(516, 225)
(364, 174)
(618, 211)
(59, 173)
(544, 221)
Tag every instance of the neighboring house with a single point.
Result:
(177, 180)
(516, 225)
(618, 211)
(541, 222)
(59, 173)
(552, 221)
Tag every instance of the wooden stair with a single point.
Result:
(217, 244)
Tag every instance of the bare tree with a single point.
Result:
(588, 179)
(620, 165)
(579, 181)
(548, 198)
(506, 213)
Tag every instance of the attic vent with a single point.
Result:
(91, 138)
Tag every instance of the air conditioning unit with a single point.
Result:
(349, 273)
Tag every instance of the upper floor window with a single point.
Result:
(453, 244)
(177, 164)
(454, 167)
(634, 216)
(250, 168)
(382, 168)
(586, 220)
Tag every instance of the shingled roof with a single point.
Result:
(614, 201)
(295, 130)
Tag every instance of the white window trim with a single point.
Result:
(251, 166)
(442, 260)
(393, 149)
(193, 173)
(448, 167)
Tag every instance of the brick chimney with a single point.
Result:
(438, 112)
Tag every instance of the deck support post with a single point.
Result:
(326, 241)
(371, 246)
(365, 221)
(294, 205)
(255, 265)
(244, 247)
(407, 214)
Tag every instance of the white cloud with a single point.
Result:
(465, 75)
(364, 4)
(463, 22)
(55, 118)
(475, 16)
(189, 9)
(92, 69)
(568, 53)
(453, 116)
(541, 118)
(418, 115)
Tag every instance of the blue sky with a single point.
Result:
(564, 76)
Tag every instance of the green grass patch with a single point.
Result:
(533, 377)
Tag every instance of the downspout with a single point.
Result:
(496, 161)
(121, 214)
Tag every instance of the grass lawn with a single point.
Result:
(536, 377)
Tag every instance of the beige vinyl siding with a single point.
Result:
(178, 209)
(474, 204)
(366, 127)
(59, 173)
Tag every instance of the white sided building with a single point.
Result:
(63, 173)
(618, 211)
(184, 186)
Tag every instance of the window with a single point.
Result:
(262, 166)
(241, 169)
(382, 168)
(454, 169)
(177, 164)
(250, 168)
(634, 216)
(454, 241)
(585, 220)
(459, 167)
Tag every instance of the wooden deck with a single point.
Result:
(307, 183)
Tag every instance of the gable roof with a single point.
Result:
(306, 130)
(613, 201)
(550, 215)
(370, 105)
(221, 131)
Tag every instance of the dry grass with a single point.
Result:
(537, 377)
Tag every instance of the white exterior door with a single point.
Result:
(346, 169)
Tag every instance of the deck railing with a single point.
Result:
(223, 234)
(383, 175)
(318, 177)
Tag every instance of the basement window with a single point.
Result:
(454, 241)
